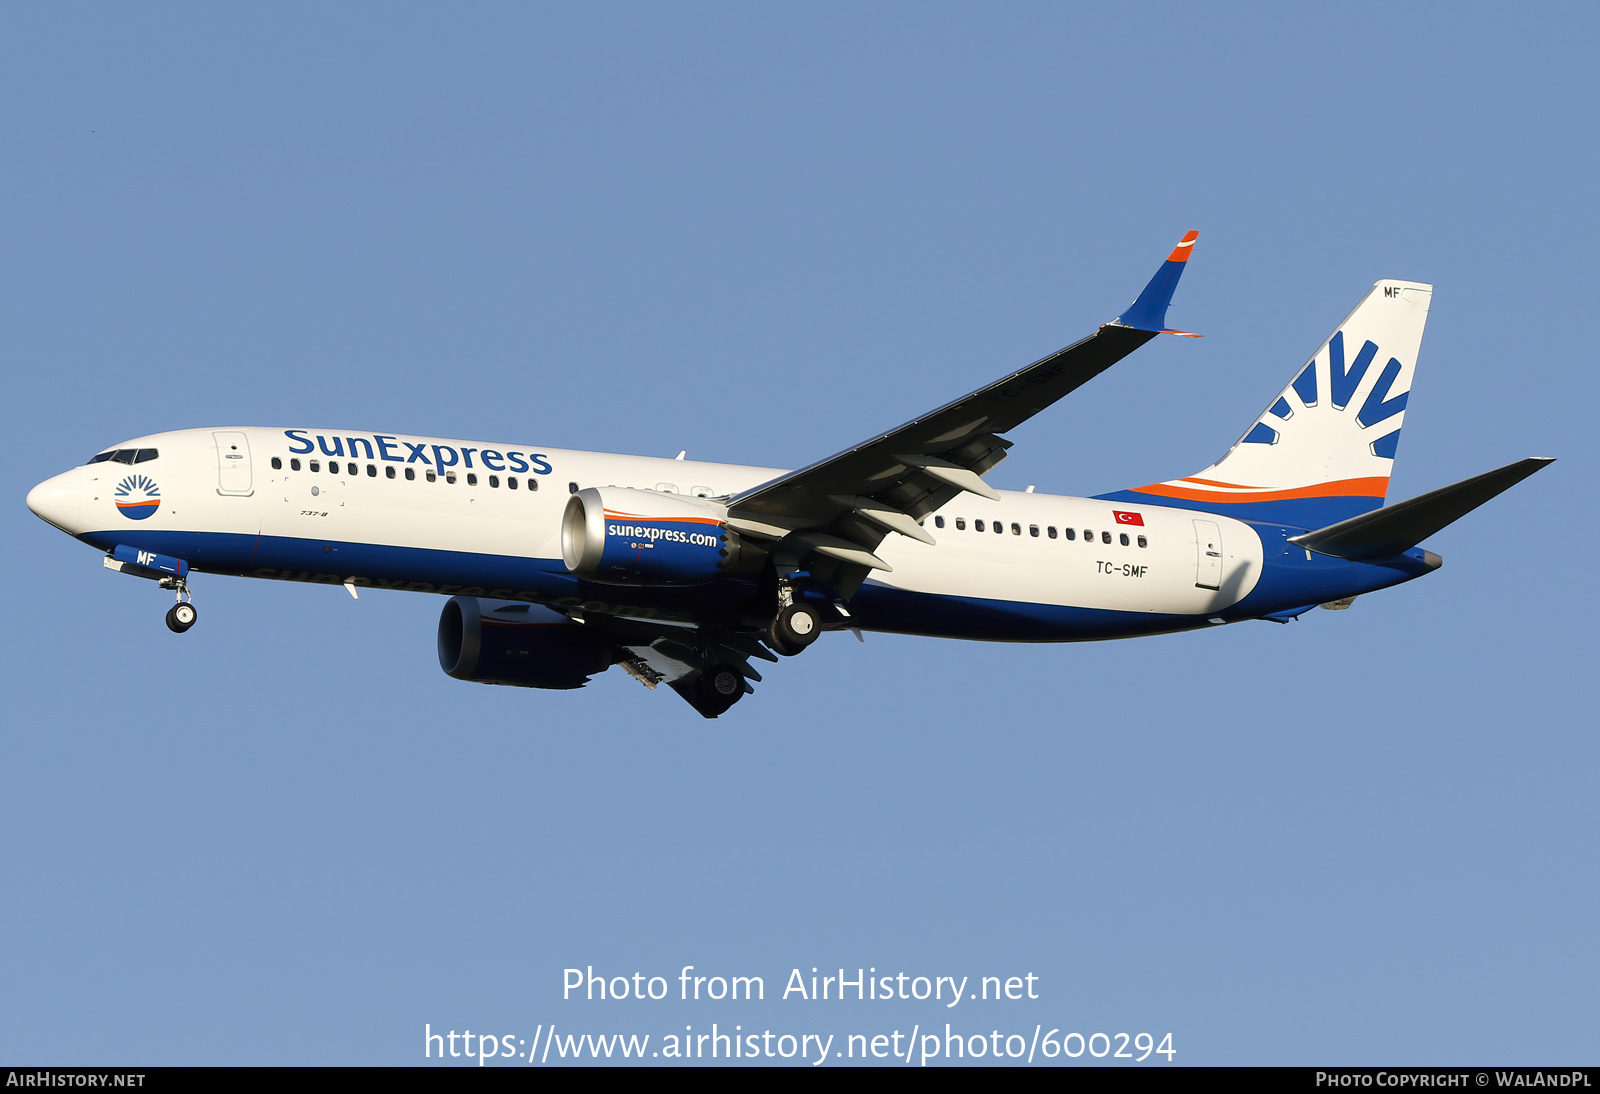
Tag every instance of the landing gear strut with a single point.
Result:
(182, 615)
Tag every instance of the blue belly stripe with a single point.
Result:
(1286, 582)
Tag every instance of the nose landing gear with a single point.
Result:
(182, 615)
(167, 572)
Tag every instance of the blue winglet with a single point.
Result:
(1149, 312)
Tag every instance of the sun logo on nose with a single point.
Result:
(137, 497)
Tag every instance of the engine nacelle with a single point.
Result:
(640, 537)
(522, 645)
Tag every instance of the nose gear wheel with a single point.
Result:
(181, 616)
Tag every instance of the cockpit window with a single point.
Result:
(102, 457)
(124, 455)
(146, 455)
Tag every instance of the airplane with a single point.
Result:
(561, 564)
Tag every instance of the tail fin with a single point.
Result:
(1323, 451)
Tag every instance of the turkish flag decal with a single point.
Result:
(1128, 518)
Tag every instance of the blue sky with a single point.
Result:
(762, 233)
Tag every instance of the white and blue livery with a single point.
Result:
(560, 564)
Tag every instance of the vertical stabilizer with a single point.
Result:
(1323, 450)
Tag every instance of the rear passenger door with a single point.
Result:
(1208, 555)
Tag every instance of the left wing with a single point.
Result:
(831, 515)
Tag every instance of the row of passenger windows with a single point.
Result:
(126, 455)
(1033, 530)
(353, 468)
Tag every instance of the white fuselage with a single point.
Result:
(239, 486)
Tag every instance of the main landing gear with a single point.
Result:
(715, 690)
(719, 687)
(796, 625)
(182, 615)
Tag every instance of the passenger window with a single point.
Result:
(938, 522)
(511, 484)
(146, 455)
(999, 528)
(333, 467)
(961, 524)
(430, 476)
(316, 465)
(1033, 530)
(977, 525)
(1124, 538)
(472, 479)
(294, 464)
(1143, 542)
(411, 473)
(494, 480)
(372, 471)
(572, 487)
(1088, 536)
(388, 472)
(1051, 531)
(277, 464)
(1105, 537)
(450, 477)
(1070, 533)
(533, 484)
(1016, 529)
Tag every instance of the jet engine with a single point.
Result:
(640, 537)
(520, 645)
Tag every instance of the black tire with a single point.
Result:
(720, 686)
(795, 628)
(180, 617)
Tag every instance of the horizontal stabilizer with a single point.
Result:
(1393, 529)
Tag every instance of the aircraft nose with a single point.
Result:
(57, 502)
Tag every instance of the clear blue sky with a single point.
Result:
(762, 233)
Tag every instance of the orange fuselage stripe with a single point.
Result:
(612, 514)
(1344, 488)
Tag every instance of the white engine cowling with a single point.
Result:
(641, 537)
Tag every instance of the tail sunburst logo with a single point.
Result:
(137, 497)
